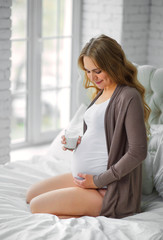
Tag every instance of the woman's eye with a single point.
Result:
(98, 72)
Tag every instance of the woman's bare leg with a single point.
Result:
(68, 216)
(71, 201)
(53, 183)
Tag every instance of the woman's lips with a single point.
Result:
(99, 82)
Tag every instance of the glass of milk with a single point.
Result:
(71, 139)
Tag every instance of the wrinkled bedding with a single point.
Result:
(17, 222)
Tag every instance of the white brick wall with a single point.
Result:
(125, 20)
(5, 64)
(155, 50)
(135, 30)
(104, 17)
(136, 24)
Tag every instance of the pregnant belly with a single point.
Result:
(88, 162)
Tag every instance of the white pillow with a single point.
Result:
(55, 150)
(158, 169)
(151, 167)
(147, 175)
(156, 152)
(158, 161)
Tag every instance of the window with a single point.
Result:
(43, 68)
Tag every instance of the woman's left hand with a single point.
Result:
(87, 182)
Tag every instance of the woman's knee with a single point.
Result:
(33, 191)
(34, 206)
(30, 194)
(39, 204)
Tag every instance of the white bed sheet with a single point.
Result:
(16, 221)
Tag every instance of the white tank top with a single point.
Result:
(91, 156)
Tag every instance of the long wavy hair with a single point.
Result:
(108, 55)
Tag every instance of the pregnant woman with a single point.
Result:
(106, 166)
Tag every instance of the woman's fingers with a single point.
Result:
(63, 139)
(79, 140)
(63, 142)
(67, 149)
(86, 182)
(64, 148)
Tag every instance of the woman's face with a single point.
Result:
(96, 75)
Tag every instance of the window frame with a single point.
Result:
(34, 44)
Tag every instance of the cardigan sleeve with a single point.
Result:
(137, 145)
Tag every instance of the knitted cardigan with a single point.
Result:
(127, 147)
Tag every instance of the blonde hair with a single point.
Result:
(108, 55)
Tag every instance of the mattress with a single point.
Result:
(17, 222)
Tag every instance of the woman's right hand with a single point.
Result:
(64, 142)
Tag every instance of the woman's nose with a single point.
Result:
(93, 76)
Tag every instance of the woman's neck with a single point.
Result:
(108, 91)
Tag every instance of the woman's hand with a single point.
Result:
(64, 142)
(87, 182)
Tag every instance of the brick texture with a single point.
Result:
(136, 24)
(105, 18)
(5, 65)
(155, 46)
(135, 30)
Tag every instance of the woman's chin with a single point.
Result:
(99, 86)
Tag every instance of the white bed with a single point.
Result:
(16, 221)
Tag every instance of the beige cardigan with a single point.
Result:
(127, 148)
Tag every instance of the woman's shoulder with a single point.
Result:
(127, 93)
(126, 96)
